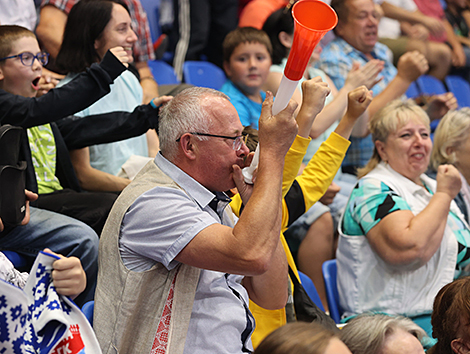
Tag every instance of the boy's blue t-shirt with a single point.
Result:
(249, 111)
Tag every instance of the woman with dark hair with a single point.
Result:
(89, 20)
(94, 26)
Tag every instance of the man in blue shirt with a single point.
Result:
(356, 41)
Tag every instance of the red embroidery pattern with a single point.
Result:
(161, 338)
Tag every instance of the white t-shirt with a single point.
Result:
(18, 12)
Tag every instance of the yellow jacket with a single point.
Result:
(313, 182)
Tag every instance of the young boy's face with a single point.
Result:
(248, 67)
(17, 78)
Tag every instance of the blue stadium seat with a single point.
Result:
(413, 90)
(329, 276)
(18, 260)
(204, 74)
(87, 310)
(460, 88)
(429, 85)
(163, 72)
(309, 287)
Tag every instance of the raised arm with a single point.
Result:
(80, 132)
(411, 65)
(87, 88)
(404, 239)
(323, 166)
(252, 247)
(357, 76)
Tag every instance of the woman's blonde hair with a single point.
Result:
(386, 121)
(452, 131)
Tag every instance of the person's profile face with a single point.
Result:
(248, 67)
(17, 78)
(361, 28)
(216, 156)
(118, 32)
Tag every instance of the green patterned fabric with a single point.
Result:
(371, 200)
(43, 153)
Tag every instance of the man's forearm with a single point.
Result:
(269, 290)
(397, 13)
(147, 81)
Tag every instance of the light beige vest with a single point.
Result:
(128, 304)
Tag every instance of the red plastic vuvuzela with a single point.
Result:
(312, 19)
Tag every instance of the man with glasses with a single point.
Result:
(176, 268)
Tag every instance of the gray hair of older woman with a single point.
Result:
(366, 334)
(452, 131)
(388, 120)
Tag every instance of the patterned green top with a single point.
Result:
(43, 153)
(371, 200)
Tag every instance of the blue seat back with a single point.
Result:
(460, 88)
(413, 90)
(309, 287)
(204, 74)
(87, 310)
(429, 85)
(163, 72)
(329, 276)
(16, 259)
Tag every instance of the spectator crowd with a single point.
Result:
(138, 188)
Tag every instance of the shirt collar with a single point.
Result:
(197, 191)
(410, 185)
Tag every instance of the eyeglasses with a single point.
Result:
(27, 58)
(237, 140)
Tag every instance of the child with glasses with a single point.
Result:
(53, 177)
(20, 73)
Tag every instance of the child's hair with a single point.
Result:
(244, 35)
(9, 34)
(85, 24)
(297, 338)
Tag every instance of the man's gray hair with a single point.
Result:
(184, 114)
(366, 334)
